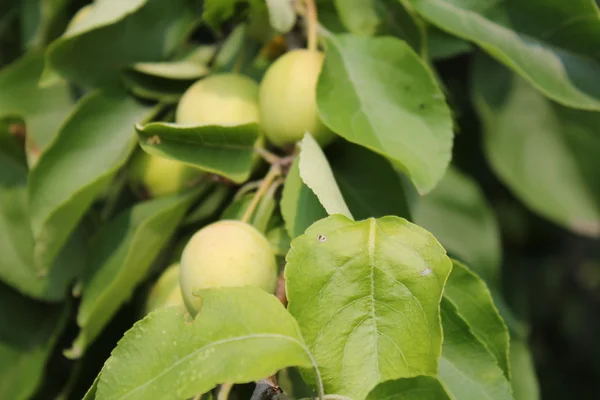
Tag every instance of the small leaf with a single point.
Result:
(28, 332)
(524, 380)
(552, 50)
(119, 260)
(545, 153)
(209, 205)
(16, 263)
(225, 150)
(474, 304)
(442, 45)
(419, 388)
(459, 216)
(77, 167)
(115, 34)
(240, 335)
(42, 109)
(300, 207)
(366, 296)
(317, 175)
(369, 184)
(279, 240)
(403, 117)
(467, 370)
(281, 15)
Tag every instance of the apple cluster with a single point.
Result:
(228, 252)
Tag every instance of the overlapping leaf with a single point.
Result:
(93, 143)
(524, 381)
(366, 296)
(16, 263)
(457, 213)
(419, 388)
(225, 150)
(316, 173)
(115, 34)
(300, 207)
(28, 332)
(42, 109)
(369, 184)
(122, 254)
(550, 43)
(467, 369)
(240, 335)
(474, 304)
(545, 153)
(403, 117)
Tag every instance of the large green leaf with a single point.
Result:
(369, 184)
(467, 370)
(16, 263)
(316, 173)
(457, 213)
(419, 388)
(120, 258)
(403, 117)
(28, 332)
(42, 109)
(367, 296)
(115, 34)
(240, 335)
(474, 304)
(92, 145)
(547, 154)
(300, 207)
(225, 150)
(551, 43)
(524, 381)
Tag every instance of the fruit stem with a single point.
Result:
(224, 391)
(313, 23)
(273, 173)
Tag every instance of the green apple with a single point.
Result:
(226, 253)
(287, 99)
(221, 99)
(161, 176)
(166, 291)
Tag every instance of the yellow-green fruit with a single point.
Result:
(166, 291)
(287, 99)
(221, 99)
(161, 176)
(226, 254)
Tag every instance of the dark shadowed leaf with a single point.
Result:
(419, 388)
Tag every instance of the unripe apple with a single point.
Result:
(224, 254)
(287, 99)
(221, 99)
(166, 291)
(160, 176)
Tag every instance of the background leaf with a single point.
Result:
(473, 303)
(458, 215)
(316, 173)
(419, 388)
(467, 369)
(240, 335)
(545, 153)
(28, 332)
(76, 167)
(220, 149)
(300, 207)
(42, 109)
(121, 256)
(554, 49)
(369, 184)
(404, 118)
(16, 264)
(115, 34)
(524, 381)
(366, 296)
